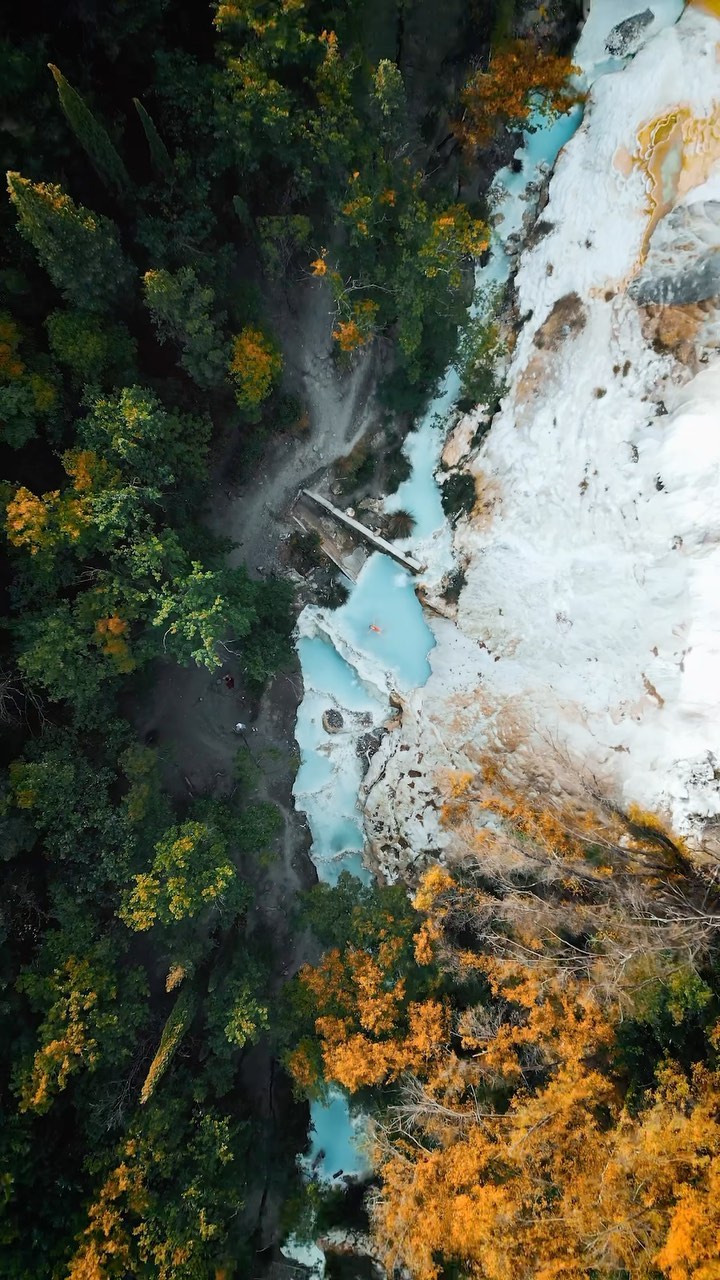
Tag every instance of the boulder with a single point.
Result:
(332, 720)
(625, 38)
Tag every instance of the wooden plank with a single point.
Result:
(374, 539)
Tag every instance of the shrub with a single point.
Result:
(397, 467)
(481, 349)
(458, 495)
(455, 583)
(400, 524)
(356, 468)
(333, 595)
(304, 550)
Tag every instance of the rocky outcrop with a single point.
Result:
(332, 720)
(683, 262)
(626, 37)
(587, 635)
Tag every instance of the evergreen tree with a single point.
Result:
(80, 250)
(158, 151)
(92, 352)
(28, 387)
(182, 312)
(90, 134)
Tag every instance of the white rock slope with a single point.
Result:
(589, 624)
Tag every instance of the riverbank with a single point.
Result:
(403, 791)
(584, 656)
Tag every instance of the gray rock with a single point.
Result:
(366, 746)
(624, 39)
(683, 262)
(700, 282)
(332, 720)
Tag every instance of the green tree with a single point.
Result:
(389, 103)
(82, 624)
(80, 250)
(236, 1011)
(204, 608)
(353, 914)
(25, 404)
(94, 140)
(332, 126)
(183, 312)
(66, 799)
(93, 353)
(482, 348)
(28, 390)
(167, 1204)
(133, 431)
(402, 265)
(66, 793)
(281, 239)
(60, 655)
(159, 153)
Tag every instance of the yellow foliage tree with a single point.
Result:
(368, 1029)
(511, 1149)
(359, 328)
(562, 1182)
(255, 367)
(28, 519)
(111, 634)
(11, 366)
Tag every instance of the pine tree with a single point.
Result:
(158, 151)
(79, 249)
(90, 134)
(183, 311)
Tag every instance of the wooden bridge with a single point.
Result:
(374, 539)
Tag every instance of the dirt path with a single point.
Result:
(190, 714)
(255, 516)
(188, 710)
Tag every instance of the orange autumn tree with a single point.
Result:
(520, 77)
(255, 367)
(369, 1031)
(359, 327)
(561, 1181)
(565, 1119)
(47, 523)
(366, 1012)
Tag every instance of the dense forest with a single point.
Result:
(535, 1036)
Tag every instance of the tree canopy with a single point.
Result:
(177, 181)
(541, 1037)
